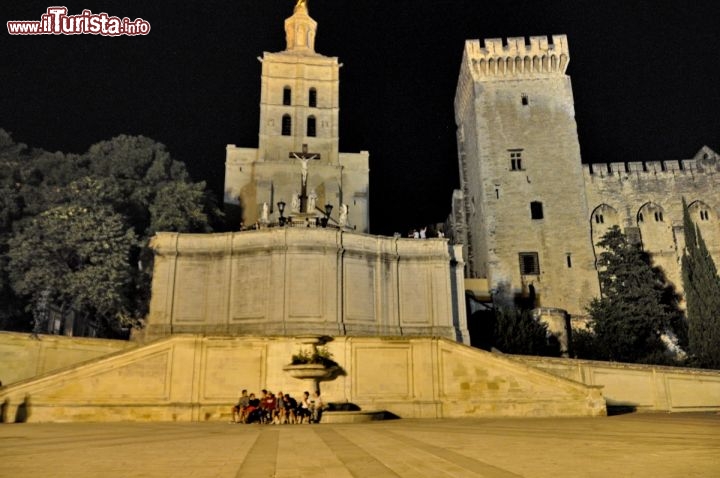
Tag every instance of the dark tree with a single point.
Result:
(78, 227)
(517, 331)
(702, 296)
(78, 257)
(628, 320)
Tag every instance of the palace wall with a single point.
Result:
(645, 200)
(529, 212)
(286, 281)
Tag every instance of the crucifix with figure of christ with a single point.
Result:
(304, 157)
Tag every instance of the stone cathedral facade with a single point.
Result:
(302, 269)
(529, 213)
(299, 123)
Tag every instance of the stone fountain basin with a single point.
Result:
(306, 371)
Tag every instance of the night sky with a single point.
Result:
(646, 78)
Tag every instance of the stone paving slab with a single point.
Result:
(678, 445)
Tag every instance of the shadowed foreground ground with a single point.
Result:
(680, 445)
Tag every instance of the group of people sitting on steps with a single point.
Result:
(277, 409)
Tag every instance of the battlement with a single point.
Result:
(705, 161)
(515, 57)
(641, 169)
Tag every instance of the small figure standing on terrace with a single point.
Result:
(343, 219)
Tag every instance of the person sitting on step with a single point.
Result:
(303, 410)
(318, 405)
(238, 410)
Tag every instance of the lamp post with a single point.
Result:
(281, 208)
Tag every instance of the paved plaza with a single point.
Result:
(634, 445)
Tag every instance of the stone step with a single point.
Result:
(355, 416)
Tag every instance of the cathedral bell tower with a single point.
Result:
(299, 101)
(298, 156)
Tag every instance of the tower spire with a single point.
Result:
(300, 30)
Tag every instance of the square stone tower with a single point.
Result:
(298, 139)
(525, 211)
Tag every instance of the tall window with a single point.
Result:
(536, 210)
(529, 263)
(287, 96)
(515, 160)
(312, 98)
(286, 125)
(311, 126)
(524, 100)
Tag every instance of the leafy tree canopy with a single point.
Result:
(78, 225)
(81, 255)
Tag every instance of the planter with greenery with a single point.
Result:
(315, 365)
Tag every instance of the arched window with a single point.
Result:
(286, 125)
(699, 211)
(312, 98)
(658, 216)
(311, 126)
(287, 96)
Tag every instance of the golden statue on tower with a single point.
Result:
(300, 3)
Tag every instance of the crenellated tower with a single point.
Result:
(520, 169)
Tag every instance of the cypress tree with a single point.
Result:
(702, 297)
(629, 318)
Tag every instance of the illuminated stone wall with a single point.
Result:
(22, 356)
(518, 147)
(198, 378)
(287, 281)
(645, 200)
(520, 171)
